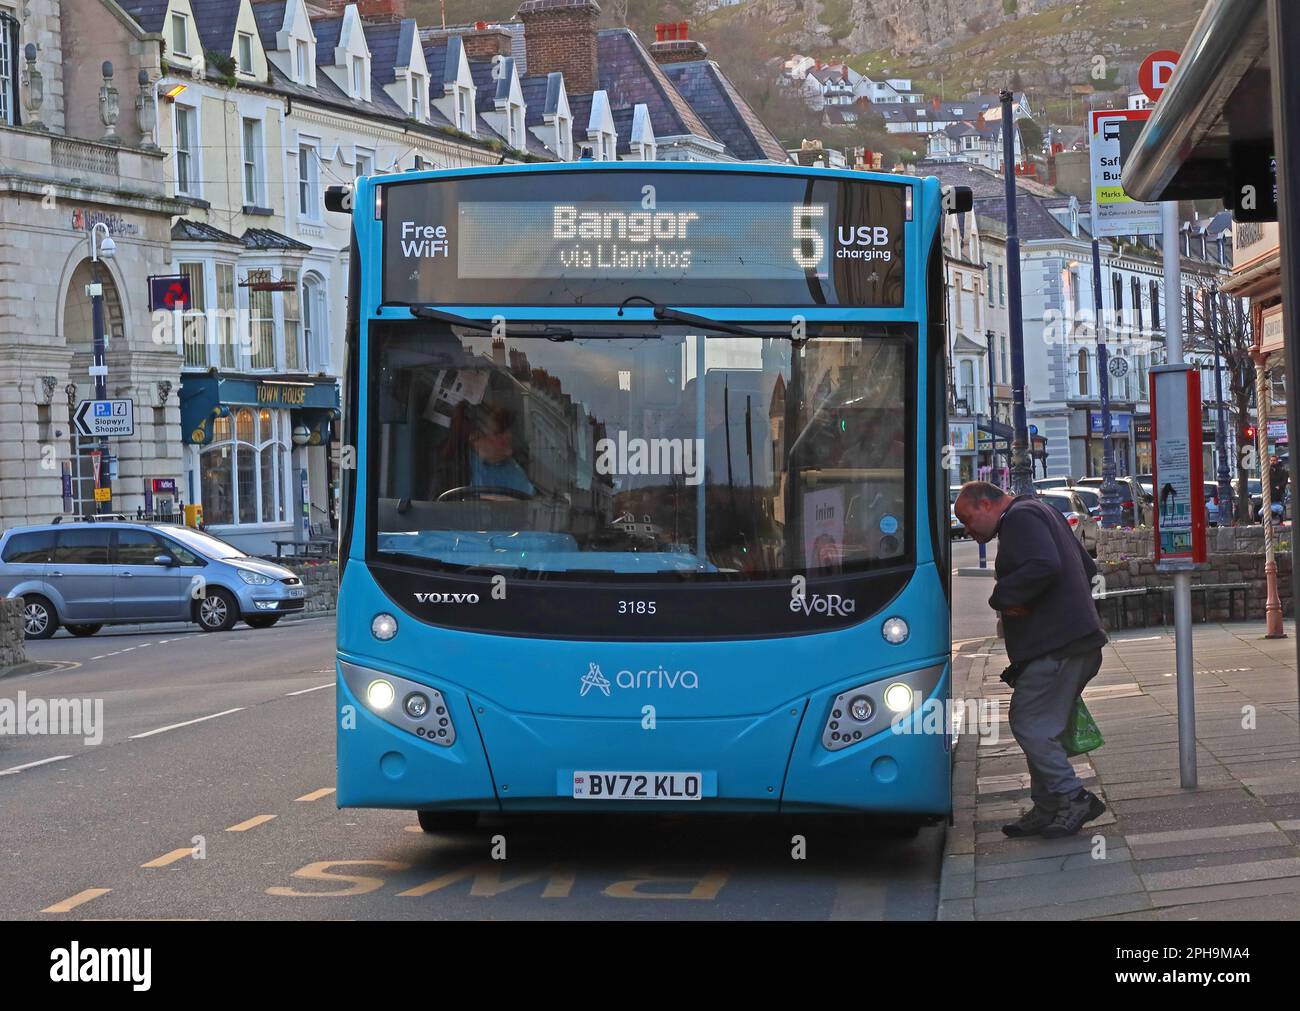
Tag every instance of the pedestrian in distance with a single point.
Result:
(1054, 641)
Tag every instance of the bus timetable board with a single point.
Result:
(681, 238)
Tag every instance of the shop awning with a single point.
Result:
(1215, 113)
(313, 402)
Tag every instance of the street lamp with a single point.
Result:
(99, 370)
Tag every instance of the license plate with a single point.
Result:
(297, 591)
(637, 785)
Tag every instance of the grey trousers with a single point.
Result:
(1041, 703)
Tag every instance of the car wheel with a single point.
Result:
(39, 618)
(217, 610)
(83, 630)
(447, 821)
(263, 621)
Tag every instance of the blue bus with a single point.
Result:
(649, 508)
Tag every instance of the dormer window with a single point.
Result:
(180, 35)
(245, 50)
(563, 138)
(419, 95)
(302, 61)
(359, 77)
(463, 110)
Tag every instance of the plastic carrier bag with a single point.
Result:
(1081, 733)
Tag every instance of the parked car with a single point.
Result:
(955, 529)
(1053, 482)
(1136, 506)
(85, 575)
(1256, 496)
(1083, 523)
(1091, 497)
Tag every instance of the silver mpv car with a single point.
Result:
(85, 575)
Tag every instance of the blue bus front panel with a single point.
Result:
(526, 719)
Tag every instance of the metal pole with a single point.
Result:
(1272, 603)
(1284, 37)
(101, 378)
(1109, 489)
(1022, 477)
(1220, 436)
(1182, 579)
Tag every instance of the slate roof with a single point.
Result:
(148, 14)
(215, 21)
(629, 74)
(328, 31)
(186, 230)
(727, 115)
(269, 15)
(269, 238)
(386, 42)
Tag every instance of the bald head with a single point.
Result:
(979, 508)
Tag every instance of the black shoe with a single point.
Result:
(1073, 814)
(1032, 822)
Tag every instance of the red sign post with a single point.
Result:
(1155, 72)
(1178, 481)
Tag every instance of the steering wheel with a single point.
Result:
(483, 493)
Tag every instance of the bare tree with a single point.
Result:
(1215, 321)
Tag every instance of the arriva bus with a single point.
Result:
(649, 508)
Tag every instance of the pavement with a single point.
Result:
(1228, 849)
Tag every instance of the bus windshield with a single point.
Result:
(642, 450)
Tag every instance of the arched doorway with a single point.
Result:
(79, 336)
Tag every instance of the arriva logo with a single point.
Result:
(447, 598)
(823, 603)
(655, 677)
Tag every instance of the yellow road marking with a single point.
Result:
(81, 898)
(170, 858)
(253, 822)
(324, 791)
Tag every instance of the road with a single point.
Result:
(971, 617)
(211, 796)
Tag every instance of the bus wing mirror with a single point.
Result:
(958, 199)
(339, 199)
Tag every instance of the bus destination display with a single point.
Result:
(768, 240)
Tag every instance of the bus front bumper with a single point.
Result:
(497, 759)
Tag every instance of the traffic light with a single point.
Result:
(1249, 434)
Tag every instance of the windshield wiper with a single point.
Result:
(465, 323)
(668, 313)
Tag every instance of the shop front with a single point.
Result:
(257, 455)
(1121, 437)
(1142, 444)
(964, 460)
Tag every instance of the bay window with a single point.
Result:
(293, 356)
(194, 330)
(261, 330)
(243, 473)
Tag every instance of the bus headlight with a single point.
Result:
(417, 704)
(423, 711)
(380, 694)
(895, 630)
(383, 627)
(860, 714)
(898, 697)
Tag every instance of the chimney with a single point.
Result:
(482, 42)
(678, 47)
(379, 11)
(561, 35)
